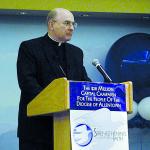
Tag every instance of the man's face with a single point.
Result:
(62, 26)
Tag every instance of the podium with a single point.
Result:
(60, 95)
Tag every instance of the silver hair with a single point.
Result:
(51, 15)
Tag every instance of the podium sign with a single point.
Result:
(98, 116)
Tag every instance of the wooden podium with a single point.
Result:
(55, 100)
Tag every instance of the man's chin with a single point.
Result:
(65, 39)
(68, 39)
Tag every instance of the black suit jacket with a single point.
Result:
(37, 66)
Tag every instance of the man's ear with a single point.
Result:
(50, 24)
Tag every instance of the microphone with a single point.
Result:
(96, 63)
(59, 66)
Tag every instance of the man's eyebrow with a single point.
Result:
(68, 21)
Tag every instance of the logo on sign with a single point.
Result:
(82, 135)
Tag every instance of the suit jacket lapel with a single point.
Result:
(51, 56)
(69, 61)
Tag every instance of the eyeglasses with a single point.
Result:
(69, 23)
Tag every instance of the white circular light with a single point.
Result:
(135, 110)
(144, 108)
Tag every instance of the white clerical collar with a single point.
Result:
(59, 43)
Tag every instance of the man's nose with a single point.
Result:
(71, 27)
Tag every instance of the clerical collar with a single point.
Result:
(59, 43)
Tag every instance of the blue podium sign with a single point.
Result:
(98, 116)
(94, 96)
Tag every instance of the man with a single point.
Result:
(40, 61)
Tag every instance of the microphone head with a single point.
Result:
(95, 62)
